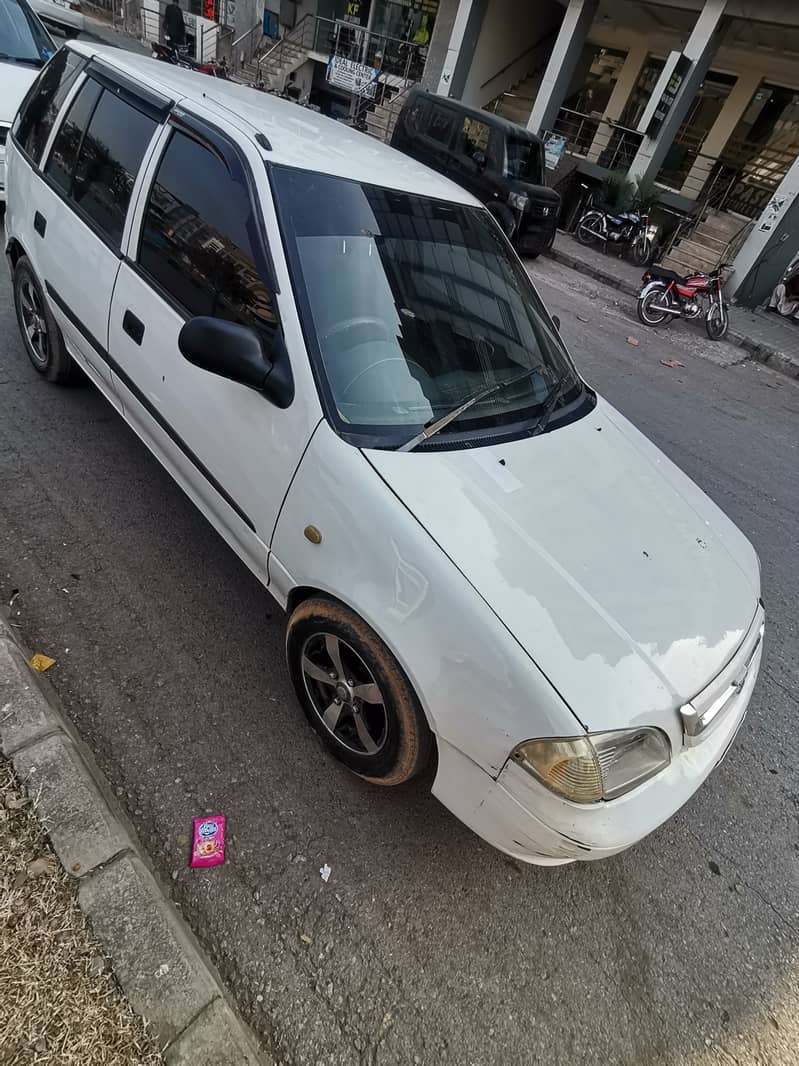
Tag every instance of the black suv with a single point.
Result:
(500, 163)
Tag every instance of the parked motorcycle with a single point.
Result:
(626, 228)
(179, 57)
(666, 295)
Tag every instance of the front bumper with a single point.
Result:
(517, 815)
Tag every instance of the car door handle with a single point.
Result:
(133, 327)
(39, 223)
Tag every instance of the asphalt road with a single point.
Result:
(425, 946)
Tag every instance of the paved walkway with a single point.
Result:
(767, 337)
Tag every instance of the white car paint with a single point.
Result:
(529, 589)
(15, 80)
(61, 13)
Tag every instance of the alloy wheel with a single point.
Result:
(34, 322)
(344, 694)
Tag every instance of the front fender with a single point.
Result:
(481, 692)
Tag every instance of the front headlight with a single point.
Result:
(517, 200)
(597, 766)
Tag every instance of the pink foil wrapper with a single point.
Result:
(208, 842)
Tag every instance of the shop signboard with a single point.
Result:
(357, 78)
(554, 147)
(669, 95)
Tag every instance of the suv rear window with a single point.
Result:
(38, 112)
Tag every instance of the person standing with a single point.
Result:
(174, 26)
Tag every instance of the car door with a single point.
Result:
(80, 214)
(199, 248)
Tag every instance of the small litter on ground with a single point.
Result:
(41, 662)
(208, 844)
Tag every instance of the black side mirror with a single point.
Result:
(556, 320)
(237, 353)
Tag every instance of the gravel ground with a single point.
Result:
(60, 1004)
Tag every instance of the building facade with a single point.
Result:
(699, 96)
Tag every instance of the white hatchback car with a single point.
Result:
(338, 356)
(25, 46)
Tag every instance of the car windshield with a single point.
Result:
(411, 306)
(524, 160)
(22, 37)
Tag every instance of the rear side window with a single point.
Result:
(440, 124)
(38, 112)
(61, 161)
(197, 238)
(97, 154)
(476, 139)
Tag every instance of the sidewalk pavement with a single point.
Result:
(155, 957)
(765, 336)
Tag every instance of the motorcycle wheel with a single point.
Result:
(717, 322)
(649, 315)
(641, 250)
(587, 232)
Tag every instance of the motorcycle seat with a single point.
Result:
(663, 273)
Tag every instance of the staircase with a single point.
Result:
(713, 241)
(282, 57)
(381, 120)
(517, 103)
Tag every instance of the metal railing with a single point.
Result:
(397, 61)
(610, 144)
(302, 38)
(244, 47)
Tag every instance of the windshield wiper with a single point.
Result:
(433, 427)
(550, 403)
(5, 57)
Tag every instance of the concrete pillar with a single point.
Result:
(628, 76)
(439, 44)
(453, 52)
(770, 246)
(699, 52)
(562, 63)
(720, 132)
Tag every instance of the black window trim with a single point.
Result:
(228, 152)
(26, 100)
(150, 103)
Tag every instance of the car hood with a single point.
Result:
(15, 80)
(626, 585)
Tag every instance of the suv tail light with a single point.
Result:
(74, 7)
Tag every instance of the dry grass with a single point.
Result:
(59, 1003)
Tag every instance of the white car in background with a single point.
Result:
(66, 15)
(25, 46)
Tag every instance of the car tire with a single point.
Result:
(41, 336)
(355, 694)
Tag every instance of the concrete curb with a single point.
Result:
(155, 956)
(761, 353)
(590, 271)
